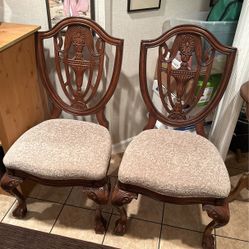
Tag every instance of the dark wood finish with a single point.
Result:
(220, 216)
(13, 237)
(120, 198)
(79, 40)
(143, 9)
(188, 46)
(79, 53)
(100, 196)
(188, 42)
(171, 199)
(10, 183)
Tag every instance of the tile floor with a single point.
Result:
(152, 224)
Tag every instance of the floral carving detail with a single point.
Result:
(187, 46)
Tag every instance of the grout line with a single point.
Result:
(161, 228)
(61, 210)
(112, 212)
(232, 238)
(67, 204)
(140, 219)
(39, 199)
(195, 231)
(215, 241)
(56, 219)
(159, 223)
(8, 210)
(107, 227)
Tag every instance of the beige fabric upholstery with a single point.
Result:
(175, 163)
(62, 149)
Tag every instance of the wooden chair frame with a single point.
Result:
(217, 208)
(79, 34)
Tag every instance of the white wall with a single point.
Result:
(24, 11)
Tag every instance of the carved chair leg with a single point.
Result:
(220, 216)
(100, 196)
(120, 198)
(9, 184)
(243, 183)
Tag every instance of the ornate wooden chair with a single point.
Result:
(171, 165)
(68, 152)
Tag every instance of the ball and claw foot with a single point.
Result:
(120, 198)
(220, 216)
(10, 184)
(100, 225)
(120, 227)
(20, 211)
(208, 243)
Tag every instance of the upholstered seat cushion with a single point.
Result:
(176, 164)
(62, 149)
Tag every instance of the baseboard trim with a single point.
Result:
(121, 146)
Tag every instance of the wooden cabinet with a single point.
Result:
(23, 103)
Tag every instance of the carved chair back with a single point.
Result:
(186, 56)
(79, 59)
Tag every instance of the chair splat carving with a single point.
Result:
(79, 53)
(79, 59)
(184, 66)
(186, 46)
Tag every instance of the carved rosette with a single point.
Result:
(98, 195)
(8, 183)
(121, 197)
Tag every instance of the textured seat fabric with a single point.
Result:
(176, 164)
(62, 149)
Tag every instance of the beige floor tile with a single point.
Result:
(224, 243)
(140, 235)
(114, 164)
(235, 175)
(41, 215)
(185, 216)
(48, 193)
(238, 225)
(145, 208)
(5, 203)
(78, 223)
(175, 238)
(79, 199)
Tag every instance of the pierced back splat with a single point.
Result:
(79, 55)
(79, 63)
(195, 49)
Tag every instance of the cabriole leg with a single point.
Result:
(9, 184)
(100, 196)
(220, 216)
(120, 198)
